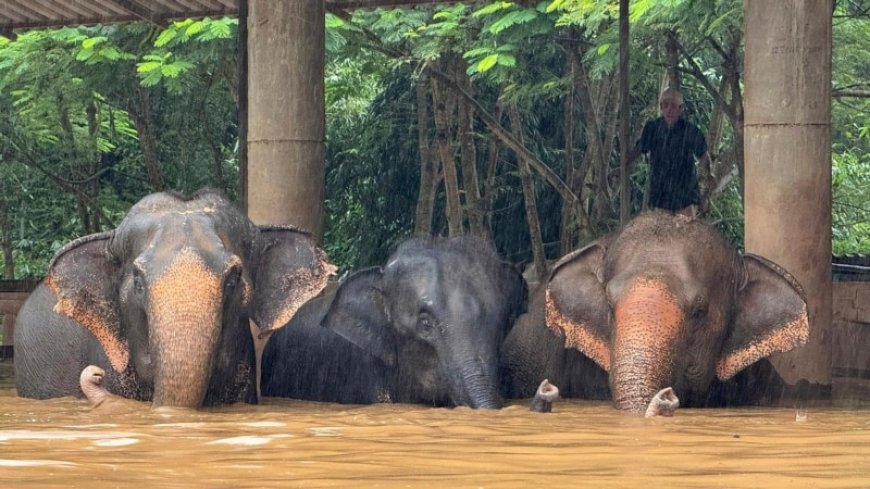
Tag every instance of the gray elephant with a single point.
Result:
(162, 303)
(663, 302)
(425, 328)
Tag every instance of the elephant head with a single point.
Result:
(666, 302)
(169, 292)
(436, 315)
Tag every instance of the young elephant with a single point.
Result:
(163, 302)
(425, 328)
(664, 302)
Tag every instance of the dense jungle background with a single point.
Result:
(484, 118)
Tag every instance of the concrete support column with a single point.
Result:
(286, 121)
(788, 161)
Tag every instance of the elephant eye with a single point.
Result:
(138, 281)
(425, 320)
(699, 312)
(232, 280)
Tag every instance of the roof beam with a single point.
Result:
(352, 4)
(140, 11)
(27, 14)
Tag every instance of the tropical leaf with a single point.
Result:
(512, 19)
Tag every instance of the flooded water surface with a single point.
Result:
(63, 443)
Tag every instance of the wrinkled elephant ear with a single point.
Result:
(82, 277)
(359, 314)
(577, 303)
(291, 269)
(771, 317)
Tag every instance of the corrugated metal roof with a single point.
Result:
(27, 14)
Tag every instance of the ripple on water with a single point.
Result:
(116, 442)
(247, 440)
(35, 463)
(65, 435)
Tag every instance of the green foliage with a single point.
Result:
(185, 76)
(69, 143)
(850, 119)
(851, 219)
(372, 176)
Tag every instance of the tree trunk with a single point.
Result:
(492, 156)
(737, 122)
(211, 140)
(428, 182)
(140, 110)
(624, 115)
(6, 240)
(95, 166)
(598, 166)
(242, 97)
(733, 109)
(527, 183)
(568, 222)
(443, 106)
(508, 139)
(672, 58)
(706, 174)
(468, 157)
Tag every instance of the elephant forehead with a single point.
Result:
(650, 260)
(648, 312)
(187, 277)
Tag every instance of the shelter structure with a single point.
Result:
(787, 123)
(787, 154)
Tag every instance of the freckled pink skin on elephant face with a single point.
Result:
(167, 298)
(647, 323)
(185, 304)
(666, 302)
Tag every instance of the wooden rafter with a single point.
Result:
(30, 14)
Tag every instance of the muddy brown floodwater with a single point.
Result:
(62, 443)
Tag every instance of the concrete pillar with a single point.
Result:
(286, 114)
(788, 162)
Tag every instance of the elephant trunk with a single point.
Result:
(647, 321)
(475, 384)
(481, 392)
(186, 318)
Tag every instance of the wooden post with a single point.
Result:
(286, 121)
(788, 162)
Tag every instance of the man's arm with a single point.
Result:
(633, 155)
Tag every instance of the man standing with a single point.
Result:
(673, 145)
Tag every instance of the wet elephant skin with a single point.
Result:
(663, 302)
(163, 302)
(424, 328)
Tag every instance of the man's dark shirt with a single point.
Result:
(673, 180)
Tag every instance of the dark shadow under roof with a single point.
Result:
(29, 14)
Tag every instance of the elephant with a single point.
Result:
(163, 303)
(425, 328)
(663, 302)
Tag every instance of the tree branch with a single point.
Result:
(843, 92)
(696, 71)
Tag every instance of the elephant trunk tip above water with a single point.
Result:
(666, 302)
(163, 302)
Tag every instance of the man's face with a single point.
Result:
(671, 109)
